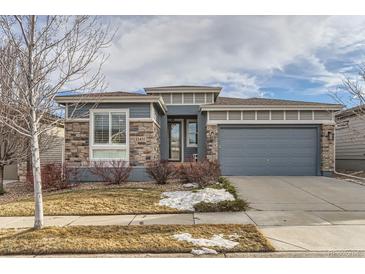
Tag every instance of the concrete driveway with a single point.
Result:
(306, 213)
(300, 193)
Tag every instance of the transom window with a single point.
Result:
(193, 98)
(109, 135)
(192, 133)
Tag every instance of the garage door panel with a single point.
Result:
(268, 151)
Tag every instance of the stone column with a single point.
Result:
(212, 142)
(327, 149)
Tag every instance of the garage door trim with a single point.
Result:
(317, 127)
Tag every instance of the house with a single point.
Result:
(350, 139)
(252, 136)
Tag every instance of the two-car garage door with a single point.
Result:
(268, 151)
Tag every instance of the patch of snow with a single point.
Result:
(190, 185)
(216, 240)
(203, 251)
(140, 189)
(185, 200)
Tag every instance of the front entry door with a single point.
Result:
(174, 141)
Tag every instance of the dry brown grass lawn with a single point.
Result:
(124, 239)
(92, 202)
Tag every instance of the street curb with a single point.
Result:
(278, 254)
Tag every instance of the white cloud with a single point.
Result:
(238, 52)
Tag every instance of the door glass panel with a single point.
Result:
(175, 141)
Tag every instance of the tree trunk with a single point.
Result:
(36, 162)
(1, 179)
(36, 165)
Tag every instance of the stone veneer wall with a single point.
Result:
(77, 143)
(212, 142)
(327, 148)
(144, 142)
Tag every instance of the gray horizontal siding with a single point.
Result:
(353, 164)
(183, 110)
(157, 114)
(136, 110)
(350, 141)
(54, 153)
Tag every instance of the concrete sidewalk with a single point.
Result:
(182, 219)
(260, 218)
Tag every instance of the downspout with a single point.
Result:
(334, 162)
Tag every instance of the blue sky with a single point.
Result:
(288, 57)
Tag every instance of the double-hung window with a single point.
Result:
(192, 133)
(109, 135)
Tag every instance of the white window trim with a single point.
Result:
(187, 132)
(93, 146)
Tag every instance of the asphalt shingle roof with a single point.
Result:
(220, 101)
(184, 86)
(262, 101)
(113, 93)
(360, 109)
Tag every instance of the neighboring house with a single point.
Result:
(350, 139)
(253, 136)
(53, 154)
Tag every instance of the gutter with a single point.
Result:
(113, 99)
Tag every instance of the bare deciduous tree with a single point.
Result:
(351, 94)
(13, 146)
(354, 89)
(54, 53)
